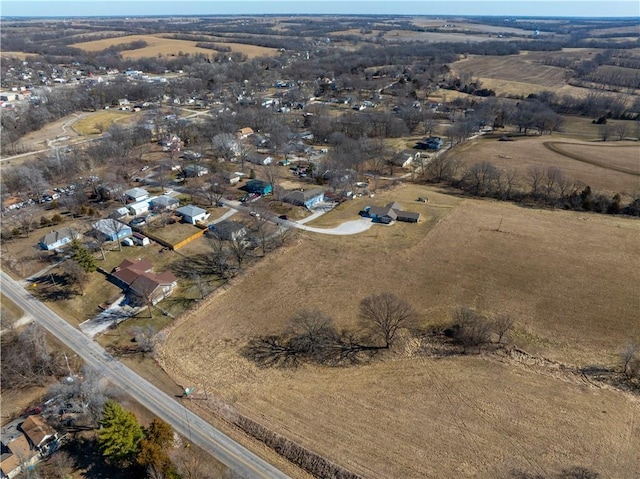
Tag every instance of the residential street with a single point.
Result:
(189, 425)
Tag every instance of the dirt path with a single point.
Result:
(554, 146)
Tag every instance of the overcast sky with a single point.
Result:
(565, 8)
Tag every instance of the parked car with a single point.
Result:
(127, 242)
(283, 217)
(138, 221)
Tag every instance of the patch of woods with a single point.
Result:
(543, 186)
(312, 337)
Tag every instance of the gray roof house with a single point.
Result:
(136, 194)
(164, 202)
(192, 214)
(391, 212)
(228, 230)
(55, 239)
(405, 158)
(306, 198)
(112, 229)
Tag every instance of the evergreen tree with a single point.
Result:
(120, 434)
(84, 258)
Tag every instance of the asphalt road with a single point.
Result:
(242, 461)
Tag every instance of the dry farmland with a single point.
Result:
(570, 282)
(512, 74)
(160, 45)
(611, 167)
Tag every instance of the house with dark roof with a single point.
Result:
(431, 143)
(389, 213)
(136, 277)
(56, 239)
(228, 230)
(24, 443)
(306, 198)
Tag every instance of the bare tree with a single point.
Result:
(471, 329)
(536, 176)
(145, 337)
(75, 274)
(239, 248)
(502, 324)
(552, 178)
(383, 314)
(628, 354)
(621, 130)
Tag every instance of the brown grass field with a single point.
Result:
(89, 124)
(160, 45)
(610, 167)
(512, 74)
(570, 282)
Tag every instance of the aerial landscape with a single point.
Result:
(337, 240)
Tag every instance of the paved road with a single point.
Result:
(199, 432)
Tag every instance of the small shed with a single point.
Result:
(140, 239)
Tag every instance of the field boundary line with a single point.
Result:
(553, 146)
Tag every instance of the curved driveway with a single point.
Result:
(242, 461)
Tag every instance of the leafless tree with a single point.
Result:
(471, 328)
(628, 354)
(552, 178)
(384, 314)
(606, 130)
(63, 464)
(201, 284)
(536, 176)
(502, 324)
(76, 275)
(191, 463)
(272, 175)
(240, 249)
(621, 130)
(145, 337)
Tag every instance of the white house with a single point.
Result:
(136, 194)
(192, 214)
(141, 207)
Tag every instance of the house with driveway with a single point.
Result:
(136, 278)
(306, 198)
(56, 239)
(389, 213)
(136, 194)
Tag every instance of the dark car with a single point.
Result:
(138, 221)
(283, 217)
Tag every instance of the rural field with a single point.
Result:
(161, 45)
(606, 167)
(512, 68)
(564, 275)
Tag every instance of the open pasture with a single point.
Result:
(564, 275)
(161, 45)
(512, 68)
(611, 167)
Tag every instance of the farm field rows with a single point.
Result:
(567, 279)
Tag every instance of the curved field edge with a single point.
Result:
(556, 147)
